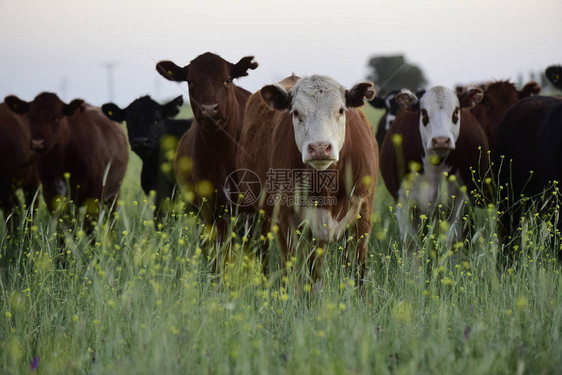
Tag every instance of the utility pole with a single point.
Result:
(109, 65)
(63, 88)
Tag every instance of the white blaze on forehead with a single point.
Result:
(439, 103)
(390, 117)
(318, 100)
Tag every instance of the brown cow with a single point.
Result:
(432, 136)
(77, 142)
(312, 136)
(498, 97)
(207, 151)
(16, 169)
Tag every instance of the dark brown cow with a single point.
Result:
(75, 141)
(498, 97)
(304, 135)
(16, 171)
(529, 160)
(431, 137)
(207, 151)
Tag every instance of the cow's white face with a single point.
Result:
(317, 105)
(440, 121)
(318, 111)
(440, 117)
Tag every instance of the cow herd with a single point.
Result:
(300, 152)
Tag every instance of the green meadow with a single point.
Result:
(138, 298)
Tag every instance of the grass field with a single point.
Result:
(135, 299)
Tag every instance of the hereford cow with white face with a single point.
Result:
(317, 105)
(313, 126)
(430, 153)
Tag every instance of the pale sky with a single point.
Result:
(61, 46)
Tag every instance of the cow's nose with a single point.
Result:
(210, 110)
(440, 142)
(320, 150)
(37, 144)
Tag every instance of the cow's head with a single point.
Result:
(209, 78)
(439, 116)
(144, 121)
(498, 98)
(318, 105)
(45, 113)
(554, 75)
(389, 105)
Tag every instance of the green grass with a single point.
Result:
(134, 299)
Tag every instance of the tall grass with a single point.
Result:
(135, 298)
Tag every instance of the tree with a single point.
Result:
(394, 73)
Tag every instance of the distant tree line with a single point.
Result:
(395, 72)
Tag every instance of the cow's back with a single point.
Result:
(530, 139)
(98, 145)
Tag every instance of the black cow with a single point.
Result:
(391, 108)
(153, 136)
(554, 75)
(529, 158)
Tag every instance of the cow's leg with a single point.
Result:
(406, 226)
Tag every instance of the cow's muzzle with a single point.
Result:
(37, 144)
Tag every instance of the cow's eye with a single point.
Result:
(425, 117)
(228, 81)
(297, 115)
(456, 114)
(341, 111)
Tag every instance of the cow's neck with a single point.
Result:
(54, 158)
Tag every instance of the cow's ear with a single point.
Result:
(16, 105)
(471, 97)
(172, 108)
(70, 108)
(113, 112)
(530, 88)
(240, 69)
(407, 101)
(378, 102)
(554, 75)
(276, 97)
(354, 97)
(171, 71)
